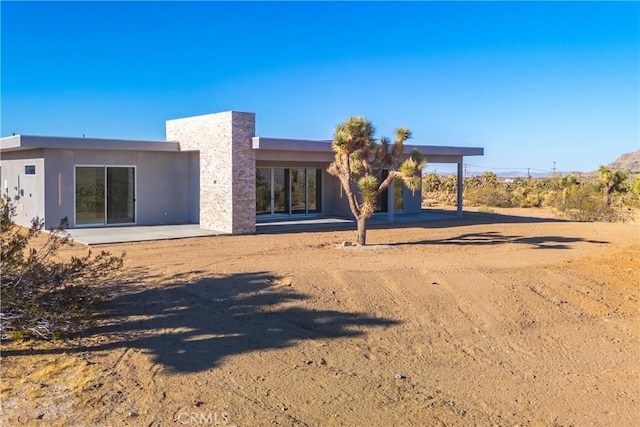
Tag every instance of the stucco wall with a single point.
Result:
(28, 187)
(59, 186)
(411, 202)
(162, 187)
(337, 203)
(227, 167)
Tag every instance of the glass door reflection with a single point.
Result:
(288, 191)
(280, 191)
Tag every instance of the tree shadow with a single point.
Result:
(194, 325)
(432, 218)
(495, 238)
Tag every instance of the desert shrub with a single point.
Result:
(635, 187)
(439, 190)
(568, 181)
(551, 198)
(41, 295)
(495, 196)
(449, 184)
(472, 182)
(582, 203)
(430, 183)
(577, 199)
(632, 197)
(489, 178)
(527, 197)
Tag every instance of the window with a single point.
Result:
(29, 169)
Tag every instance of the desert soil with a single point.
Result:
(511, 318)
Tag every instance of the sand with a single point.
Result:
(511, 318)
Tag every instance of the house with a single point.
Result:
(211, 170)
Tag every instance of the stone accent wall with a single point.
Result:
(244, 173)
(227, 167)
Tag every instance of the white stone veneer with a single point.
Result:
(227, 167)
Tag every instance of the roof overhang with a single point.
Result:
(280, 149)
(30, 142)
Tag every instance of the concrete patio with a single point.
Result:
(127, 234)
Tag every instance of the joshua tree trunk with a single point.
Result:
(362, 230)
(607, 196)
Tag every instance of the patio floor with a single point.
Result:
(108, 235)
(126, 234)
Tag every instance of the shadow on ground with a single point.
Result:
(428, 218)
(495, 238)
(192, 326)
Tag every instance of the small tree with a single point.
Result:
(568, 181)
(611, 181)
(42, 296)
(360, 161)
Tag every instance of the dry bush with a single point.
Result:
(527, 197)
(43, 297)
(489, 195)
(582, 203)
(574, 200)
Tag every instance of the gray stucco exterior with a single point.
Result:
(163, 183)
(205, 172)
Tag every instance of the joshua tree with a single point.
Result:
(489, 178)
(611, 181)
(359, 163)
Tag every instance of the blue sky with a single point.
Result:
(532, 83)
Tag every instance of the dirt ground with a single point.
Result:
(509, 318)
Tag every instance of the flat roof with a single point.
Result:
(324, 146)
(263, 144)
(29, 142)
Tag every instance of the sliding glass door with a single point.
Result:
(120, 195)
(90, 195)
(292, 191)
(263, 191)
(105, 195)
(298, 191)
(280, 194)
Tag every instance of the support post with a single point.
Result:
(390, 204)
(460, 183)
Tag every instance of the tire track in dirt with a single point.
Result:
(549, 306)
(473, 314)
(373, 378)
(411, 297)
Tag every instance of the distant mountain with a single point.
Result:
(629, 162)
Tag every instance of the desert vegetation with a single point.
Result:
(361, 163)
(42, 295)
(605, 196)
(487, 320)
